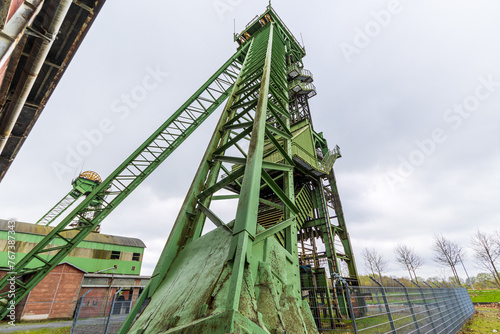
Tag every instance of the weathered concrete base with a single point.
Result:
(193, 296)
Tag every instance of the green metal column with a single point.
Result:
(245, 225)
(342, 229)
(326, 229)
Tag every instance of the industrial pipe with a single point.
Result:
(13, 30)
(34, 63)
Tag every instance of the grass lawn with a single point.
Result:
(485, 296)
(485, 320)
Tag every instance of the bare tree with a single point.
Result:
(374, 262)
(487, 252)
(496, 239)
(408, 259)
(447, 253)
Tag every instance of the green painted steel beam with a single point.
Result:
(325, 227)
(245, 224)
(277, 166)
(273, 230)
(213, 217)
(286, 155)
(224, 197)
(284, 134)
(280, 193)
(223, 183)
(342, 230)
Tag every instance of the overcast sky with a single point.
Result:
(409, 90)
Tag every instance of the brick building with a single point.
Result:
(56, 296)
(101, 263)
(102, 287)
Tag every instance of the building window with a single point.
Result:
(136, 256)
(115, 255)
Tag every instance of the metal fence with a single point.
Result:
(343, 309)
(100, 315)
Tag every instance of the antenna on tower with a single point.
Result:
(303, 45)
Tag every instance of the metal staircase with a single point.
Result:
(270, 216)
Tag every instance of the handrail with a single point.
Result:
(305, 86)
(301, 72)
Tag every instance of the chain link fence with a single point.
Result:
(348, 309)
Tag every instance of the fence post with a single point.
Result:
(443, 318)
(378, 302)
(77, 311)
(111, 310)
(349, 303)
(386, 302)
(409, 305)
(426, 307)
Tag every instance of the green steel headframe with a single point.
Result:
(256, 116)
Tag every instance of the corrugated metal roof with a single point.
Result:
(92, 237)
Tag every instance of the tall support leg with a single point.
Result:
(341, 231)
(245, 224)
